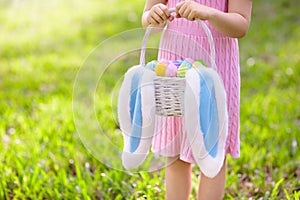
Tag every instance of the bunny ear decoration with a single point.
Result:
(136, 113)
(206, 120)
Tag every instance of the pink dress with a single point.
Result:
(170, 137)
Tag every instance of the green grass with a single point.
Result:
(44, 44)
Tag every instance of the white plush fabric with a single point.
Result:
(134, 159)
(208, 164)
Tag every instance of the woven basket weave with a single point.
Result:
(169, 91)
(169, 95)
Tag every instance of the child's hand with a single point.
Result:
(158, 14)
(192, 10)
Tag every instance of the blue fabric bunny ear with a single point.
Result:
(136, 111)
(206, 120)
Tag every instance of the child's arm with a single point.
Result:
(234, 23)
(155, 13)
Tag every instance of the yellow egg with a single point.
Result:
(160, 69)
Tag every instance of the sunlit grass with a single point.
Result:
(44, 43)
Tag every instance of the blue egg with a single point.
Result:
(151, 65)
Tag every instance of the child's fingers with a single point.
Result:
(181, 9)
(186, 12)
(155, 19)
(191, 16)
(187, 9)
(158, 14)
(152, 20)
(179, 5)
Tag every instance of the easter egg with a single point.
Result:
(189, 61)
(185, 65)
(160, 69)
(177, 63)
(171, 70)
(199, 63)
(151, 65)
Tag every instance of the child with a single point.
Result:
(227, 20)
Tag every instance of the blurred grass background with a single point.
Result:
(44, 44)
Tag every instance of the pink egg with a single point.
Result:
(171, 70)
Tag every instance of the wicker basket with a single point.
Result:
(169, 91)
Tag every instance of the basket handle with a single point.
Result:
(204, 27)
